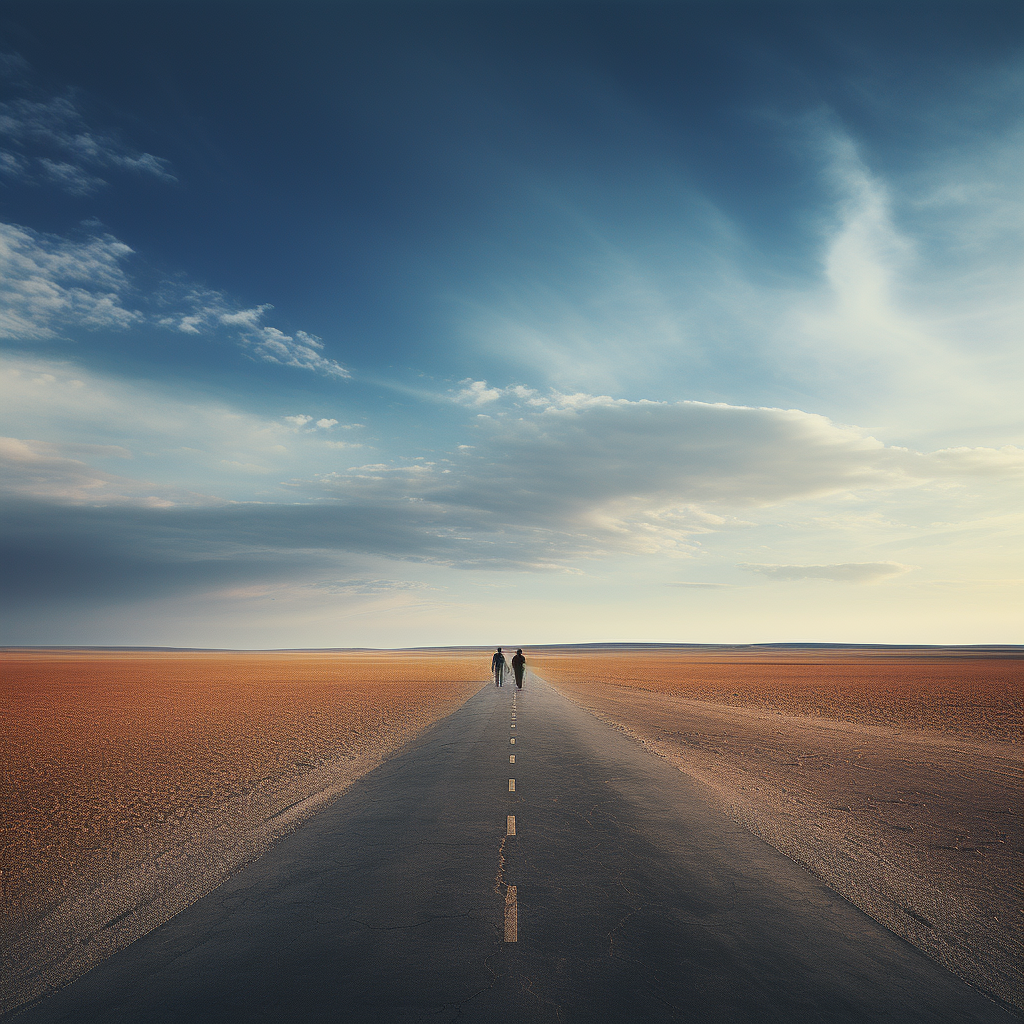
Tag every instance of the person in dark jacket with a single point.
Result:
(498, 666)
(519, 666)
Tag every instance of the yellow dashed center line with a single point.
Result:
(511, 916)
(511, 905)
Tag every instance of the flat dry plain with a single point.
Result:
(135, 782)
(894, 775)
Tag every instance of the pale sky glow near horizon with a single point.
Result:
(396, 324)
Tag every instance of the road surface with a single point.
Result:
(520, 861)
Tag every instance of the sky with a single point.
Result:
(395, 324)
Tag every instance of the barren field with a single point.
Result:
(895, 777)
(135, 782)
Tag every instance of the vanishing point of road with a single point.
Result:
(520, 861)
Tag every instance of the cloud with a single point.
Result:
(13, 66)
(48, 283)
(476, 392)
(845, 572)
(700, 586)
(181, 440)
(53, 144)
(41, 469)
(202, 310)
(895, 299)
(586, 475)
(71, 178)
(116, 554)
(301, 420)
(545, 487)
(369, 586)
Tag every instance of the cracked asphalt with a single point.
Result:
(635, 900)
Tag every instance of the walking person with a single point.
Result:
(498, 666)
(519, 666)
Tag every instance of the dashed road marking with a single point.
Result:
(510, 828)
(511, 785)
(512, 740)
(511, 916)
(511, 758)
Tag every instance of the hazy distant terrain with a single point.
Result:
(895, 775)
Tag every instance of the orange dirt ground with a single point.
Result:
(135, 782)
(896, 777)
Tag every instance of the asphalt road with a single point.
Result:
(621, 896)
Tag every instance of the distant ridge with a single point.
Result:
(993, 650)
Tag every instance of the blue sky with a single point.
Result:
(388, 324)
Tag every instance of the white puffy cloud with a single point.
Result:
(302, 420)
(203, 310)
(476, 392)
(844, 572)
(48, 283)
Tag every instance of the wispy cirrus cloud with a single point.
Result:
(698, 586)
(50, 142)
(906, 288)
(184, 441)
(48, 471)
(370, 586)
(844, 572)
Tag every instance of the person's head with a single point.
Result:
(499, 650)
(519, 650)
